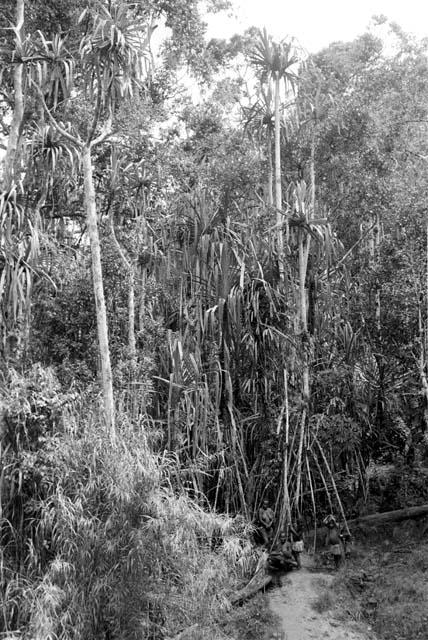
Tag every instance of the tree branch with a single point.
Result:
(75, 140)
(97, 108)
(121, 252)
(105, 133)
(334, 268)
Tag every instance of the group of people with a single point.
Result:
(285, 554)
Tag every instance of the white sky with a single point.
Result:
(317, 23)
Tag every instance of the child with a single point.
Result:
(346, 539)
(296, 531)
(333, 539)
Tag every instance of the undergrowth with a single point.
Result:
(384, 586)
(253, 620)
(95, 542)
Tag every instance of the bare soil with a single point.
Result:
(293, 602)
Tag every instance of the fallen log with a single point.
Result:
(391, 516)
(260, 580)
(374, 519)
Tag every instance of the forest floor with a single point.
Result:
(303, 608)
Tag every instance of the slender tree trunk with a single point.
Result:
(312, 174)
(333, 482)
(131, 314)
(424, 334)
(143, 275)
(374, 248)
(11, 160)
(142, 299)
(300, 459)
(173, 413)
(303, 252)
(376, 232)
(285, 514)
(302, 283)
(270, 169)
(314, 503)
(97, 276)
(278, 187)
(423, 368)
(426, 284)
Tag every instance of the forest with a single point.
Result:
(213, 291)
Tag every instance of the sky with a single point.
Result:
(317, 23)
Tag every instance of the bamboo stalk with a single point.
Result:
(323, 480)
(314, 504)
(339, 502)
(299, 459)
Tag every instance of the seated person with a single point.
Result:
(281, 556)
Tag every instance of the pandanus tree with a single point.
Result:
(259, 123)
(277, 62)
(107, 68)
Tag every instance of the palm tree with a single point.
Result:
(276, 60)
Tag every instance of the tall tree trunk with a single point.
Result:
(131, 313)
(304, 245)
(312, 173)
(11, 160)
(305, 357)
(16, 312)
(374, 250)
(300, 460)
(278, 187)
(285, 515)
(423, 332)
(143, 271)
(270, 169)
(97, 276)
(423, 366)
(376, 232)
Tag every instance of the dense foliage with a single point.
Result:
(258, 319)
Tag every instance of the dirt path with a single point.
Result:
(292, 602)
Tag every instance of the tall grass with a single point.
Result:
(96, 543)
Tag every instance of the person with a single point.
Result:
(266, 517)
(296, 531)
(333, 540)
(281, 556)
(346, 539)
